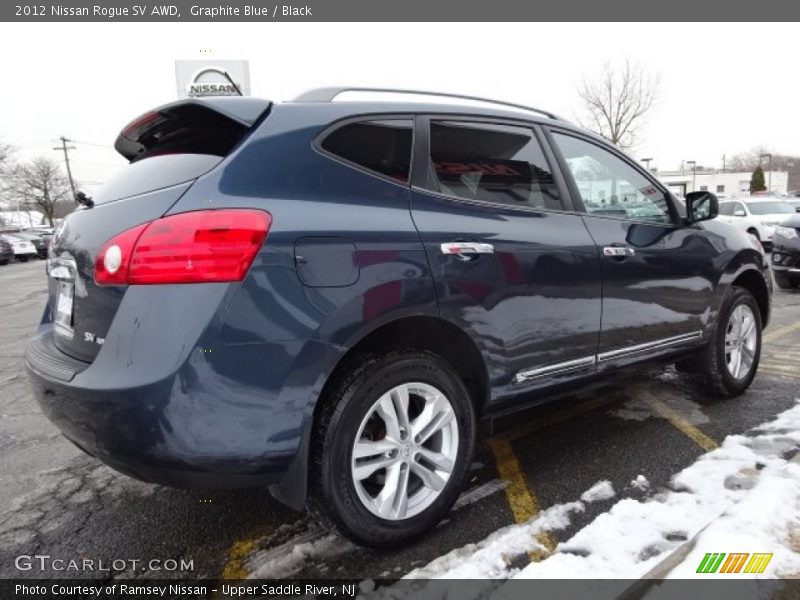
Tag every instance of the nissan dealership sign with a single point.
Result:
(196, 78)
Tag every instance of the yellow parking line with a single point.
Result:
(681, 424)
(234, 565)
(777, 333)
(521, 499)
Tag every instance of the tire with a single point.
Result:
(786, 283)
(23, 259)
(710, 367)
(3, 262)
(338, 495)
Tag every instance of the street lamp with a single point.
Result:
(769, 168)
(694, 172)
(646, 162)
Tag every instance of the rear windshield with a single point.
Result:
(153, 174)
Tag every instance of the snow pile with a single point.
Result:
(641, 483)
(21, 219)
(491, 558)
(602, 490)
(742, 497)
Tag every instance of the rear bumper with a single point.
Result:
(192, 429)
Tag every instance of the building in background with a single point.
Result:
(723, 184)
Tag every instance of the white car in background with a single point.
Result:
(758, 216)
(23, 248)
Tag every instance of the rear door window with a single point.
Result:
(382, 146)
(501, 164)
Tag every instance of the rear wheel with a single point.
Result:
(786, 283)
(728, 364)
(394, 441)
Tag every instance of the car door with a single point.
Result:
(513, 264)
(658, 274)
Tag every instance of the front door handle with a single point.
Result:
(466, 250)
(618, 252)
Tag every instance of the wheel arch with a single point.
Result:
(419, 332)
(753, 281)
(424, 333)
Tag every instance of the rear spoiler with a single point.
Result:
(201, 125)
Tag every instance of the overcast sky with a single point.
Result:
(725, 88)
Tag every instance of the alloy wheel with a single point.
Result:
(405, 451)
(741, 339)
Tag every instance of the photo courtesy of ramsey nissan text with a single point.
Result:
(409, 301)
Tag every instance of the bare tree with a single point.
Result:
(617, 102)
(41, 184)
(6, 167)
(5, 153)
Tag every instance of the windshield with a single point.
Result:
(774, 207)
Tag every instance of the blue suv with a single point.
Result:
(324, 296)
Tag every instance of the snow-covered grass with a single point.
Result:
(741, 497)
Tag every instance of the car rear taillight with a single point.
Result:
(192, 247)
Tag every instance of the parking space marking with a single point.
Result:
(778, 333)
(521, 498)
(782, 359)
(234, 565)
(677, 421)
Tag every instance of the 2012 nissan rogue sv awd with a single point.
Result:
(323, 296)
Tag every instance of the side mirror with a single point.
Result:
(739, 212)
(701, 206)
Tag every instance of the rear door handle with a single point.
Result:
(618, 252)
(466, 250)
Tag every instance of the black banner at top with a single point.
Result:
(398, 10)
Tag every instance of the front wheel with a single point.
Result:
(728, 364)
(394, 441)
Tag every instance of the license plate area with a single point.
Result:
(63, 310)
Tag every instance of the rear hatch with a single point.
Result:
(168, 149)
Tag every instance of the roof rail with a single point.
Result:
(328, 94)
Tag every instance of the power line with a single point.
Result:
(92, 144)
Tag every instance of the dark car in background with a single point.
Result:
(786, 253)
(323, 297)
(6, 251)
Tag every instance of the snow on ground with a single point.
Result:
(491, 557)
(741, 497)
(22, 219)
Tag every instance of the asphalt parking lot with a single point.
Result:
(57, 501)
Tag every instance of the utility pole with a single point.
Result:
(63, 147)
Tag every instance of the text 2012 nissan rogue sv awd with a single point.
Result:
(323, 296)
